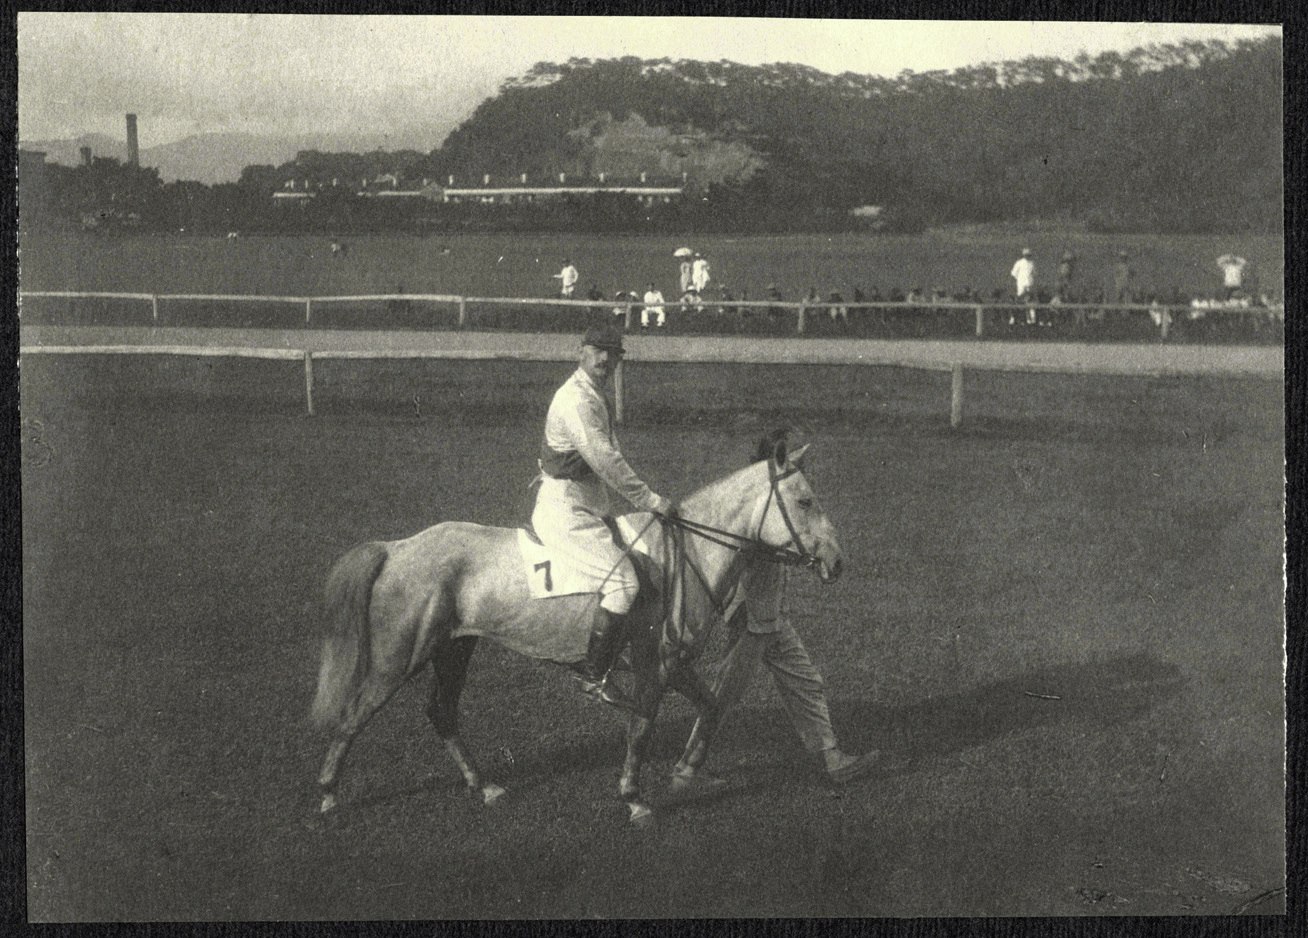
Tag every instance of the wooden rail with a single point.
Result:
(1164, 315)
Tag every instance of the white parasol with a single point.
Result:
(683, 252)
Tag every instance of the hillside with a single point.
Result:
(1164, 138)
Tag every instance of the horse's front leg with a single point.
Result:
(640, 727)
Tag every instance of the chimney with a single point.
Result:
(133, 151)
(86, 156)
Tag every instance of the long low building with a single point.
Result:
(648, 194)
(526, 194)
(388, 186)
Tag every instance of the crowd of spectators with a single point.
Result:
(1030, 304)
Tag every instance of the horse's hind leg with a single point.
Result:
(450, 670)
(375, 689)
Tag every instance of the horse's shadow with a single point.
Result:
(1101, 693)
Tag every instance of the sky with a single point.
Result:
(415, 77)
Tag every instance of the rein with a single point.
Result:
(754, 546)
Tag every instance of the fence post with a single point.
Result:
(1164, 320)
(154, 306)
(463, 311)
(308, 310)
(980, 321)
(617, 390)
(956, 396)
(308, 380)
(803, 307)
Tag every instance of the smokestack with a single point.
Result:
(133, 151)
(86, 156)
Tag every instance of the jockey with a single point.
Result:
(584, 478)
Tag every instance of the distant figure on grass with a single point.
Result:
(1233, 268)
(699, 278)
(653, 304)
(620, 311)
(567, 278)
(759, 632)
(1123, 279)
(1023, 274)
(585, 479)
(340, 248)
(839, 313)
(774, 294)
(1066, 273)
(686, 279)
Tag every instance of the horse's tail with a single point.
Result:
(345, 649)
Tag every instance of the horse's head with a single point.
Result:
(790, 516)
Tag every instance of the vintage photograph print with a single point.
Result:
(643, 468)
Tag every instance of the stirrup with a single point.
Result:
(606, 692)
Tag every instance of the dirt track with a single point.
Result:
(1063, 357)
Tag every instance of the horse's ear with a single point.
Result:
(797, 456)
(779, 451)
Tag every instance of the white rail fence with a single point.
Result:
(308, 356)
(1163, 316)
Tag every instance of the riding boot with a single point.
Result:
(607, 635)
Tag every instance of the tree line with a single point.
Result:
(1164, 138)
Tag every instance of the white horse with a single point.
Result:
(394, 606)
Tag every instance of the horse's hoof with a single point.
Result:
(491, 793)
(328, 803)
(642, 815)
(696, 783)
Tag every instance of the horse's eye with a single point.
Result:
(806, 503)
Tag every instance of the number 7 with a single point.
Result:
(549, 581)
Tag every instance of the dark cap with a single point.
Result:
(605, 337)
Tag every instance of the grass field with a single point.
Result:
(1113, 543)
(521, 265)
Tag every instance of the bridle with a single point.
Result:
(746, 548)
(754, 546)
